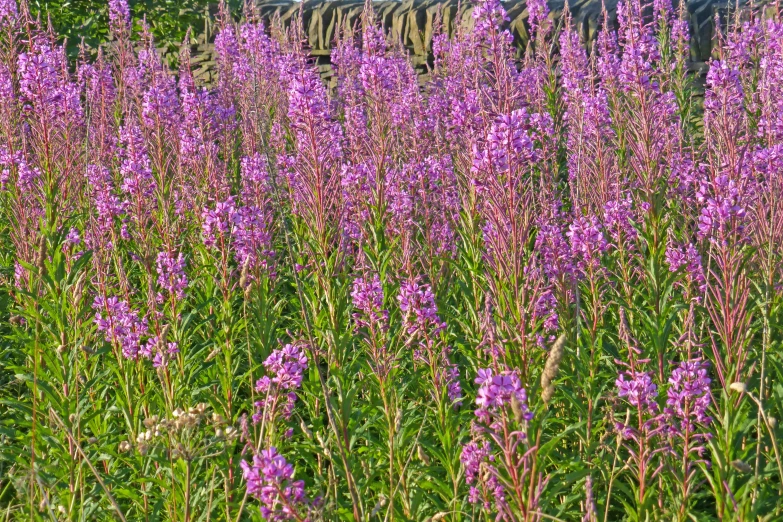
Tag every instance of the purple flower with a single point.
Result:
(8, 13)
(481, 474)
(216, 224)
(252, 239)
(639, 389)
(472, 457)
(538, 10)
(196, 128)
(450, 374)
(587, 242)
(38, 79)
(368, 300)
(546, 307)
(270, 480)
(73, 238)
(689, 396)
(160, 351)
(618, 219)
(420, 313)
(26, 176)
(689, 257)
(554, 251)
(285, 369)
(135, 167)
(255, 180)
(723, 206)
(171, 274)
(120, 325)
(496, 391)
(509, 149)
(119, 17)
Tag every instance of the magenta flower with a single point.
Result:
(420, 313)
(587, 242)
(496, 391)
(171, 275)
(285, 369)
(368, 300)
(8, 12)
(689, 396)
(120, 325)
(270, 479)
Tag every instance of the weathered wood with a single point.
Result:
(411, 22)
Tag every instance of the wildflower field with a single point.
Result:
(535, 286)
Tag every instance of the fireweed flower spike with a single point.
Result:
(285, 368)
(270, 479)
(8, 13)
(120, 325)
(419, 228)
(499, 458)
(423, 328)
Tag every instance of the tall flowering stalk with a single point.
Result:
(500, 461)
(688, 400)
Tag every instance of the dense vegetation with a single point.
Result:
(84, 24)
(546, 289)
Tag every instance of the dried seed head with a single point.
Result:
(164, 334)
(398, 421)
(78, 290)
(378, 506)
(422, 456)
(516, 409)
(551, 368)
(41, 258)
(548, 393)
(243, 276)
(738, 387)
(305, 430)
(741, 466)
